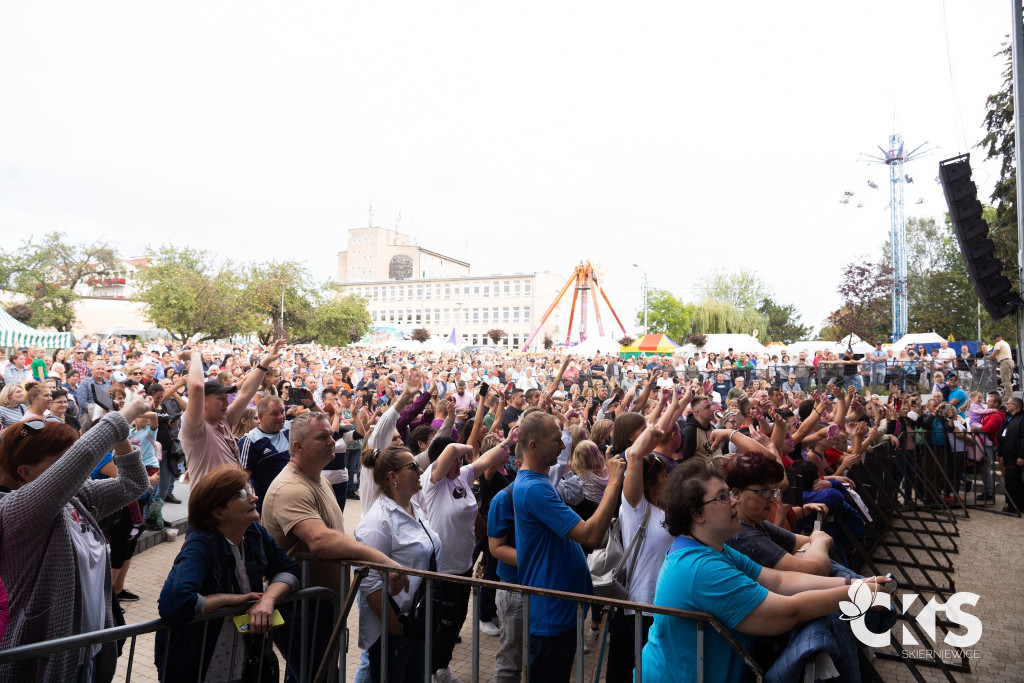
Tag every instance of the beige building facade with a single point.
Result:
(408, 287)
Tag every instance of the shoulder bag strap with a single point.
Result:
(641, 534)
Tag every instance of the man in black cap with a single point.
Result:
(1004, 359)
(205, 433)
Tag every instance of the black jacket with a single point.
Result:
(1011, 440)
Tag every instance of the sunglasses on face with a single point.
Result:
(412, 465)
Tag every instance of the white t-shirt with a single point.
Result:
(652, 551)
(92, 565)
(453, 518)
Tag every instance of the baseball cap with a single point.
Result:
(118, 376)
(218, 388)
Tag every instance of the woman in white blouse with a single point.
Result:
(396, 526)
(641, 494)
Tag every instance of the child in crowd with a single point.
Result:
(38, 365)
(977, 410)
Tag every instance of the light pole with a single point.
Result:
(645, 294)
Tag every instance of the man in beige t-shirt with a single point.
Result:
(207, 421)
(1004, 359)
(302, 515)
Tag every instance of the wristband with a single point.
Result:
(260, 366)
(849, 580)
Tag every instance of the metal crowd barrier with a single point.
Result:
(39, 651)
(702, 619)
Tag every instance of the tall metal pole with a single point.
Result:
(1018, 129)
(646, 329)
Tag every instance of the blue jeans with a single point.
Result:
(167, 477)
(352, 463)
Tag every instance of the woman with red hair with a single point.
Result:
(53, 556)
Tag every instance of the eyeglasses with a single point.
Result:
(767, 494)
(137, 372)
(243, 494)
(412, 465)
(37, 424)
(724, 499)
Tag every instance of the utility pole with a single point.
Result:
(646, 329)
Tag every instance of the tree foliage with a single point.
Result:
(185, 291)
(420, 334)
(866, 302)
(782, 323)
(496, 334)
(741, 287)
(338, 320)
(626, 340)
(713, 316)
(698, 339)
(46, 273)
(940, 297)
(666, 314)
(1000, 143)
(20, 312)
(265, 283)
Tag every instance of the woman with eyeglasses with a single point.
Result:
(53, 557)
(756, 481)
(223, 563)
(452, 511)
(702, 573)
(397, 526)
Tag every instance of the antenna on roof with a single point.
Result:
(371, 216)
(398, 220)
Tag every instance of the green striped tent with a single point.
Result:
(14, 334)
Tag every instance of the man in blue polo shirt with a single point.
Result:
(263, 450)
(548, 545)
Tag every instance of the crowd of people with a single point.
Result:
(516, 464)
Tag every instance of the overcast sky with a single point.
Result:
(520, 136)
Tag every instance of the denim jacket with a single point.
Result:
(204, 566)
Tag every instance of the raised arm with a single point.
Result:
(641, 402)
(448, 456)
(251, 383)
(633, 483)
(193, 415)
(590, 532)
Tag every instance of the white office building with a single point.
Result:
(408, 287)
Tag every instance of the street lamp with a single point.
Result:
(645, 294)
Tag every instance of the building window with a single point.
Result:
(526, 314)
(515, 314)
(408, 292)
(504, 314)
(391, 316)
(485, 316)
(375, 293)
(487, 290)
(494, 314)
(447, 291)
(515, 340)
(505, 287)
(515, 287)
(476, 316)
(476, 290)
(419, 317)
(408, 317)
(447, 315)
(437, 316)
(419, 291)
(437, 291)
(526, 288)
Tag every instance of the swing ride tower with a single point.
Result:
(585, 281)
(895, 157)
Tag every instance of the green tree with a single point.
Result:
(666, 315)
(741, 287)
(265, 284)
(184, 291)
(47, 272)
(1000, 143)
(713, 316)
(940, 297)
(782, 323)
(339, 320)
(420, 334)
